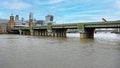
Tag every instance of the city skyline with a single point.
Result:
(65, 11)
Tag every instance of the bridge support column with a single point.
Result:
(87, 33)
(34, 33)
(43, 33)
(23, 32)
(49, 33)
(40, 33)
(31, 32)
(63, 33)
(27, 32)
(37, 33)
(20, 32)
(46, 33)
(53, 33)
(59, 33)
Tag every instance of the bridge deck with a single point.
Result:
(109, 24)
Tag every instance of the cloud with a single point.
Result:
(75, 18)
(69, 8)
(15, 4)
(46, 2)
(117, 4)
(87, 16)
(55, 1)
(64, 10)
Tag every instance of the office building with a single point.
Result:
(49, 19)
(17, 18)
(31, 15)
(17, 21)
(40, 22)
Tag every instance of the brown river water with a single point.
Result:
(18, 51)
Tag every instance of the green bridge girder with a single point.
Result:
(69, 25)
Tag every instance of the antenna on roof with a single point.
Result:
(104, 19)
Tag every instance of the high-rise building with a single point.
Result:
(49, 18)
(17, 18)
(17, 21)
(31, 19)
(31, 15)
(40, 22)
(22, 21)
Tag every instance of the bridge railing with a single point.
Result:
(74, 25)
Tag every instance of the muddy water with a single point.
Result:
(49, 52)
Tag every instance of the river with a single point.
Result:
(18, 51)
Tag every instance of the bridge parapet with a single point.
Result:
(103, 25)
(39, 27)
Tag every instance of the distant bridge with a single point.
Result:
(59, 30)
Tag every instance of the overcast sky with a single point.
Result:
(64, 11)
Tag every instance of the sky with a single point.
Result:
(64, 11)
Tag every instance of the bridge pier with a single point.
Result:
(87, 33)
(53, 34)
(20, 32)
(23, 32)
(59, 32)
(45, 33)
(35, 32)
(27, 32)
(40, 33)
(31, 32)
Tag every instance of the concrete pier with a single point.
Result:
(87, 33)
(31, 32)
(20, 32)
(59, 33)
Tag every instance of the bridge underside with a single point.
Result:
(87, 33)
(41, 32)
(13, 32)
(56, 32)
(53, 32)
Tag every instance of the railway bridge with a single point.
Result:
(59, 30)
